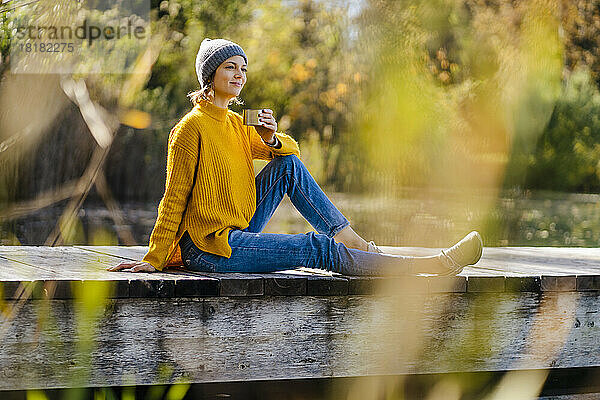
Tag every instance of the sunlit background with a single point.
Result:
(423, 120)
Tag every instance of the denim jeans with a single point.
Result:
(256, 252)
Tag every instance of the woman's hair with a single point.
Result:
(207, 93)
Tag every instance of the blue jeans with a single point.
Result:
(256, 252)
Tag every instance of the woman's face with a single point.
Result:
(230, 77)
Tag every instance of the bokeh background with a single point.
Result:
(422, 120)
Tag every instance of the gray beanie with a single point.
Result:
(211, 54)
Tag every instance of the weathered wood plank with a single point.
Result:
(131, 253)
(282, 284)
(588, 282)
(191, 284)
(68, 264)
(523, 284)
(524, 260)
(321, 282)
(326, 286)
(559, 283)
(447, 284)
(507, 260)
(16, 270)
(58, 272)
(485, 284)
(232, 339)
(237, 284)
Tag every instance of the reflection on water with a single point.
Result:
(519, 219)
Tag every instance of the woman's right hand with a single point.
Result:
(134, 266)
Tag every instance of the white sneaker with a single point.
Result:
(466, 252)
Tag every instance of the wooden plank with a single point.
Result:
(69, 288)
(274, 284)
(326, 286)
(284, 284)
(45, 282)
(525, 265)
(322, 283)
(504, 260)
(238, 284)
(232, 285)
(364, 284)
(543, 260)
(130, 253)
(447, 284)
(559, 283)
(237, 339)
(192, 284)
(523, 284)
(68, 262)
(526, 261)
(588, 282)
(152, 288)
(18, 289)
(485, 284)
(389, 285)
(16, 270)
(55, 266)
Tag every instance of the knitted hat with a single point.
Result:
(211, 54)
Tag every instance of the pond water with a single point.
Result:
(410, 219)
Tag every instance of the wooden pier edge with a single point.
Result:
(200, 328)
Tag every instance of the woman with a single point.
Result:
(214, 209)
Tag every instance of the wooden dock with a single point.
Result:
(68, 322)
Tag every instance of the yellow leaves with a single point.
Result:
(136, 119)
(444, 77)
(326, 98)
(441, 54)
(579, 148)
(341, 89)
(300, 73)
(332, 97)
(273, 58)
(329, 98)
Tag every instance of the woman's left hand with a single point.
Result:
(269, 127)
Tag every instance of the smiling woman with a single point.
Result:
(225, 75)
(213, 209)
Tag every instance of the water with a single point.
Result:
(516, 219)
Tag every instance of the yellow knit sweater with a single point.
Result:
(224, 194)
